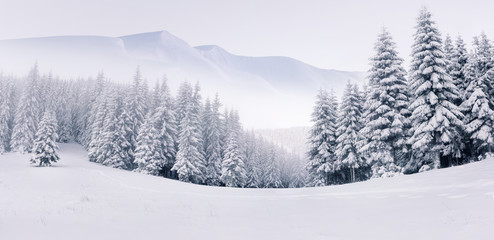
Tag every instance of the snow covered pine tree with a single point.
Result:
(437, 121)
(45, 147)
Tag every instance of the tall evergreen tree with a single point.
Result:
(5, 115)
(166, 125)
(45, 148)
(459, 60)
(436, 119)
(232, 168)
(212, 147)
(384, 133)
(137, 108)
(483, 60)
(113, 148)
(349, 126)
(148, 156)
(27, 114)
(479, 117)
(190, 162)
(321, 156)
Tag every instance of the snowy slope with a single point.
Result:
(76, 199)
(276, 86)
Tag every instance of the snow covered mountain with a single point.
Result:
(77, 199)
(280, 89)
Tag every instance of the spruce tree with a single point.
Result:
(232, 168)
(148, 158)
(322, 140)
(27, 114)
(212, 147)
(349, 126)
(479, 117)
(113, 148)
(483, 60)
(459, 60)
(437, 121)
(5, 116)
(190, 162)
(384, 134)
(166, 125)
(273, 174)
(45, 147)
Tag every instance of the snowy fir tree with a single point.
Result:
(113, 148)
(232, 168)
(385, 131)
(63, 113)
(148, 158)
(45, 148)
(137, 108)
(483, 58)
(436, 119)
(27, 114)
(349, 125)
(321, 156)
(166, 125)
(212, 142)
(5, 114)
(190, 163)
(273, 174)
(479, 117)
(458, 61)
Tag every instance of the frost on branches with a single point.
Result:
(384, 134)
(45, 148)
(322, 139)
(437, 121)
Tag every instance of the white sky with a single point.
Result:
(325, 33)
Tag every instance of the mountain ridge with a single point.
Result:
(276, 85)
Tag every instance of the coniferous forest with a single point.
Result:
(144, 130)
(437, 114)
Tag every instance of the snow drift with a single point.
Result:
(77, 199)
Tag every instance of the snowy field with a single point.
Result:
(77, 199)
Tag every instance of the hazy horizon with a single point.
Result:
(326, 34)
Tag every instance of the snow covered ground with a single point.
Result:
(77, 199)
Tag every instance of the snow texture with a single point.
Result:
(76, 199)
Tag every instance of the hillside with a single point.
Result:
(273, 87)
(77, 199)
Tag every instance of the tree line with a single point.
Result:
(133, 127)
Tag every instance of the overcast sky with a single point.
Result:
(327, 34)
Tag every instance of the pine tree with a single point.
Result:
(5, 115)
(252, 160)
(62, 113)
(273, 176)
(483, 59)
(27, 115)
(113, 148)
(384, 133)
(232, 168)
(166, 125)
(212, 142)
(137, 108)
(148, 155)
(322, 140)
(190, 162)
(479, 117)
(349, 126)
(436, 119)
(45, 147)
(459, 60)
